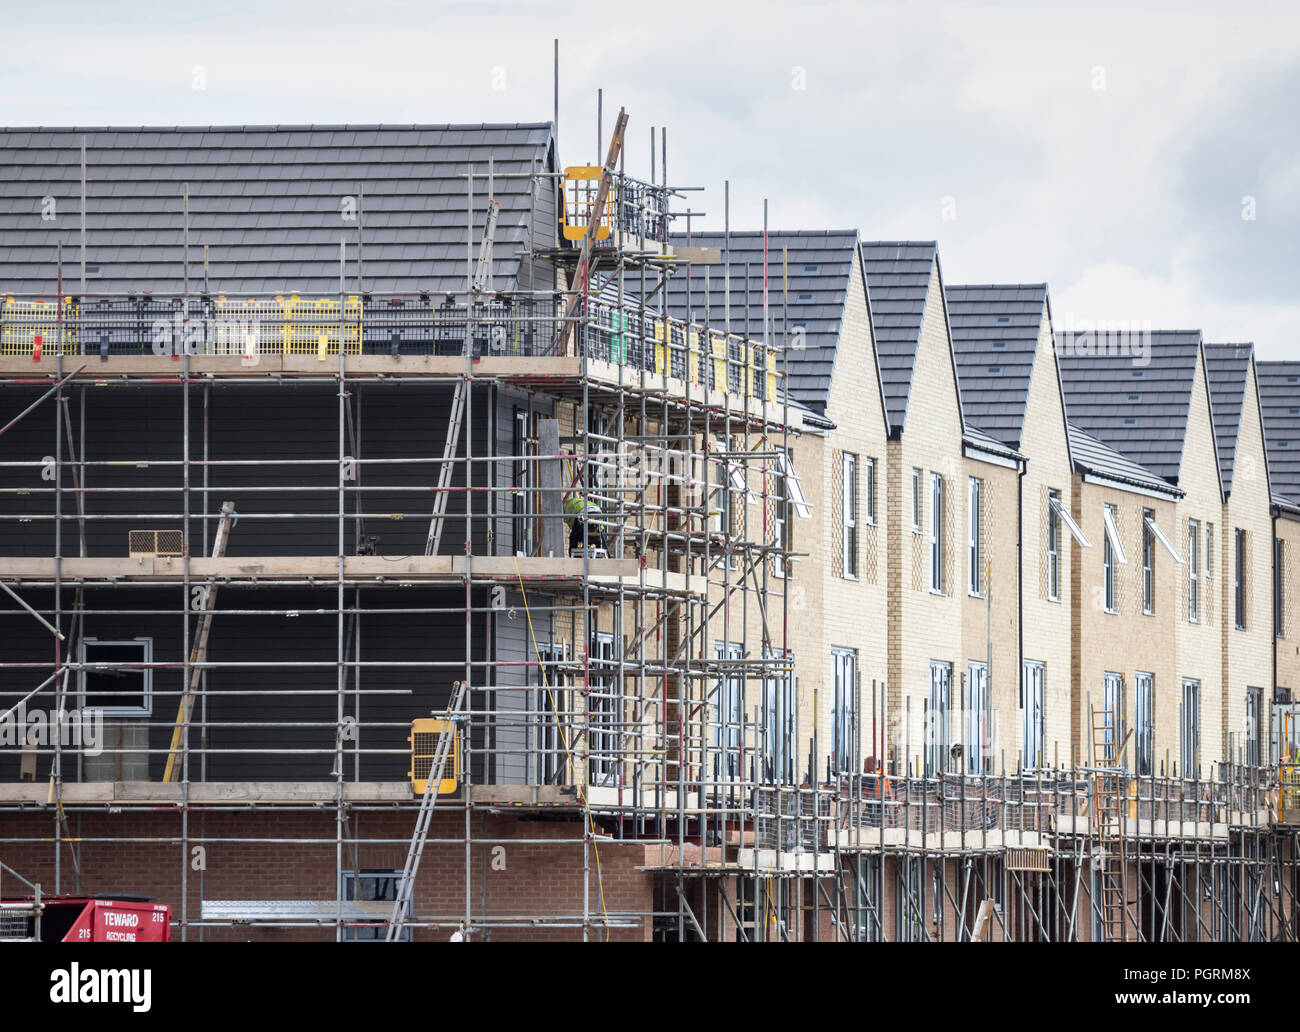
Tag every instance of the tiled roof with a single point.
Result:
(1226, 367)
(1279, 407)
(1092, 456)
(268, 200)
(819, 265)
(1132, 390)
(995, 331)
(898, 279)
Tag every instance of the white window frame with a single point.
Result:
(551, 692)
(1148, 564)
(916, 500)
(936, 533)
(348, 886)
(1209, 551)
(1189, 741)
(146, 680)
(778, 723)
(1193, 571)
(1076, 532)
(844, 716)
(979, 748)
(602, 716)
(974, 542)
(1112, 533)
(869, 478)
(849, 515)
(728, 723)
(1150, 520)
(1054, 544)
(1112, 715)
(1239, 585)
(1144, 701)
(1279, 587)
(1033, 715)
(939, 753)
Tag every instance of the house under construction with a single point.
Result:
(381, 559)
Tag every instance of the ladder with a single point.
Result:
(424, 818)
(1108, 852)
(452, 443)
(200, 649)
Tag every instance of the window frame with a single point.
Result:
(1033, 713)
(1144, 688)
(869, 479)
(1148, 564)
(939, 753)
(1190, 721)
(1193, 570)
(936, 533)
(146, 677)
(1053, 545)
(844, 712)
(979, 759)
(974, 538)
(916, 500)
(848, 515)
(1239, 586)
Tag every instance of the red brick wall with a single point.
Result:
(540, 877)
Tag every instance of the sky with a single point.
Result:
(1142, 159)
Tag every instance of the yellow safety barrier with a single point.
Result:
(581, 183)
(32, 327)
(288, 325)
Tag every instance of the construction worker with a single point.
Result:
(581, 516)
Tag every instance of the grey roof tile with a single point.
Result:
(1226, 367)
(1132, 391)
(263, 196)
(995, 331)
(1092, 456)
(1279, 408)
(819, 265)
(898, 277)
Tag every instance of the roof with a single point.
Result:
(1226, 369)
(1093, 456)
(977, 438)
(819, 264)
(1279, 409)
(898, 280)
(1132, 391)
(995, 331)
(267, 199)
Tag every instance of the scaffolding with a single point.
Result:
(623, 703)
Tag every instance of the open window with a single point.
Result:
(114, 679)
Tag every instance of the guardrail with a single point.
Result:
(504, 325)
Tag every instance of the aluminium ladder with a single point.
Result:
(452, 443)
(1108, 850)
(446, 739)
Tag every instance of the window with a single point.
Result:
(729, 711)
(1109, 555)
(1279, 587)
(1209, 551)
(373, 887)
(1254, 713)
(1191, 727)
(1193, 571)
(936, 533)
(1112, 717)
(788, 501)
(849, 515)
(1148, 564)
(522, 496)
(979, 745)
(113, 680)
(869, 500)
(844, 720)
(602, 711)
(974, 545)
(916, 500)
(1239, 576)
(1033, 689)
(1146, 725)
(939, 718)
(551, 699)
(778, 724)
(1053, 545)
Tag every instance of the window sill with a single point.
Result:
(937, 594)
(1054, 598)
(1111, 612)
(975, 594)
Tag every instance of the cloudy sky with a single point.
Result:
(1142, 158)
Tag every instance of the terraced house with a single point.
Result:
(446, 544)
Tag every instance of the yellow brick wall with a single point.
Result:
(922, 624)
(1248, 656)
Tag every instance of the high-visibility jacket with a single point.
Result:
(576, 506)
